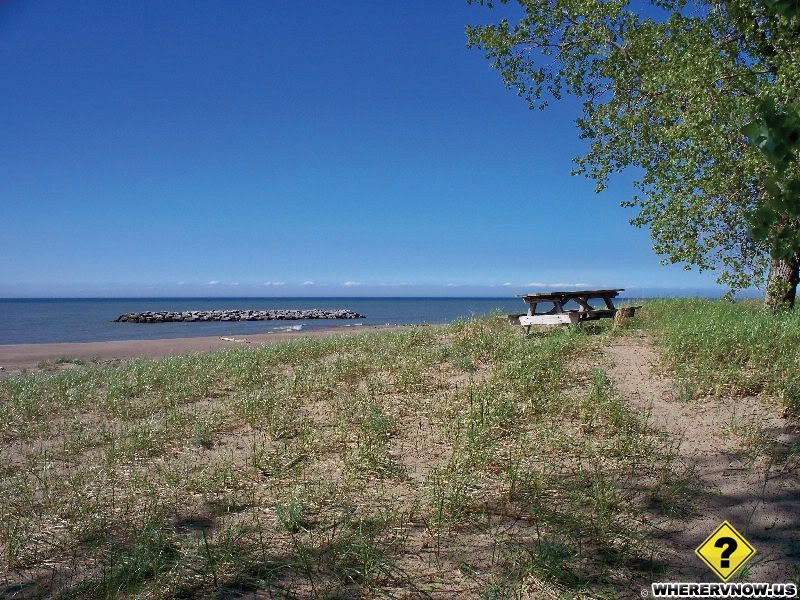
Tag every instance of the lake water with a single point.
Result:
(85, 320)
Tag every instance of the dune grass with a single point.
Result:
(463, 459)
(729, 348)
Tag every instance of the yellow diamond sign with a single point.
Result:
(725, 551)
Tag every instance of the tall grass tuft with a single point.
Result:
(730, 348)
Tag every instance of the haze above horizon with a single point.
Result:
(265, 150)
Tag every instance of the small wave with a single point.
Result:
(287, 328)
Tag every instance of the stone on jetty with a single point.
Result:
(167, 316)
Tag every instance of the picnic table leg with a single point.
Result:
(583, 302)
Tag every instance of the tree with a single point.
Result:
(776, 134)
(668, 89)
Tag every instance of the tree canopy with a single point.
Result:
(668, 89)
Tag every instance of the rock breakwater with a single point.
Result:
(167, 316)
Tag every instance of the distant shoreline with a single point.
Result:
(15, 357)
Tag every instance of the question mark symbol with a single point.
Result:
(730, 547)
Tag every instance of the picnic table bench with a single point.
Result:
(553, 308)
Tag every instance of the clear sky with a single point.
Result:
(288, 148)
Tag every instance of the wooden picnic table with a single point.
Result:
(558, 312)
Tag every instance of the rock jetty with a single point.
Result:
(167, 316)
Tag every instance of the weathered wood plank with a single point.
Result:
(557, 319)
(559, 295)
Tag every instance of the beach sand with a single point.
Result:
(15, 357)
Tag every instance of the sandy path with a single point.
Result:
(760, 497)
(14, 357)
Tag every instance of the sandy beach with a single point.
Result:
(15, 357)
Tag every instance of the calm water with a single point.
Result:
(86, 320)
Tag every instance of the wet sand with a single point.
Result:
(14, 357)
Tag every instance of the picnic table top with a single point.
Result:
(545, 296)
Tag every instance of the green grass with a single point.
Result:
(464, 459)
(723, 349)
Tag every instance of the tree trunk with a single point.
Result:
(782, 282)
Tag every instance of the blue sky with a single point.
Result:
(289, 148)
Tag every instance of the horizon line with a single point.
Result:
(646, 293)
